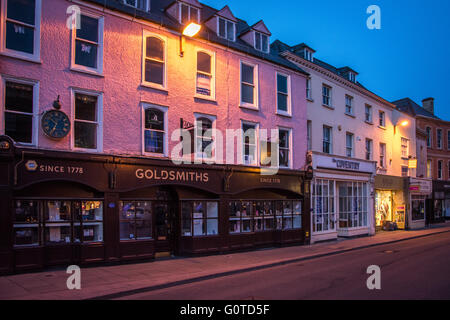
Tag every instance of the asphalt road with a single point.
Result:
(414, 269)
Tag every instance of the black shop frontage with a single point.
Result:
(61, 208)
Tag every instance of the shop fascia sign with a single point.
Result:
(422, 186)
(342, 164)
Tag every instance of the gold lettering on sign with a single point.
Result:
(172, 175)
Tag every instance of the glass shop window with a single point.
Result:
(417, 208)
(26, 223)
(200, 218)
(241, 217)
(136, 220)
(88, 223)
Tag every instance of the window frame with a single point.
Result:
(381, 116)
(369, 151)
(180, 15)
(369, 108)
(255, 105)
(352, 147)
(329, 97)
(226, 21)
(204, 219)
(147, 5)
(136, 238)
(213, 120)
(257, 143)
(289, 148)
(440, 172)
(165, 111)
(383, 163)
(36, 56)
(99, 114)
(309, 135)
(429, 169)
(288, 112)
(309, 89)
(265, 50)
(212, 55)
(144, 83)
(329, 142)
(80, 68)
(349, 99)
(403, 147)
(439, 142)
(35, 114)
(429, 133)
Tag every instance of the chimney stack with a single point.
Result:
(428, 104)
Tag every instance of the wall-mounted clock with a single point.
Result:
(55, 124)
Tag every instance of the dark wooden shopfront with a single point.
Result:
(61, 208)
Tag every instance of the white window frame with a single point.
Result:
(144, 83)
(147, 5)
(257, 143)
(404, 147)
(349, 99)
(352, 77)
(189, 6)
(369, 108)
(36, 56)
(289, 130)
(99, 110)
(382, 154)
(289, 95)
(308, 89)
(308, 55)
(331, 138)
(81, 68)
(255, 105)
(226, 21)
(381, 116)
(330, 100)
(213, 75)
(352, 147)
(267, 49)
(35, 114)
(213, 120)
(369, 152)
(439, 142)
(165, 111)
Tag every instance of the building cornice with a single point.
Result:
(308, 64)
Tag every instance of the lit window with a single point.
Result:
(154, 130)
(249, 143)
(205, 77)
(323, 206)
(326, 96)
(19, 111)
(405, 171)
(261, 42)
(429, 169)
(87, 133)
(199, 218)
(283, 100)
(248, 85)
(21, 26)
(88, 45)
(226, 29)
(188, 14)
(136, 220)
(154, 62)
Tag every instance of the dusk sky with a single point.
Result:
(408, 57)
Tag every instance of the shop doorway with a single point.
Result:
(164, 226)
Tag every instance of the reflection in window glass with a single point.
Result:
(136, 220)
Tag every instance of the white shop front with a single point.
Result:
(342, 197)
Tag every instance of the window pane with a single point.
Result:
(203, 84)
(212, 209)
(282, 102)
(155, 48)
(222, 27)
(85, 135)
(184, 13)
(127, 216)
(154, 72)
(212, 227)
(90, 210)
(186, 212)
(247, 94)
(230, 30)
(19, 37)
(203, 62)
(154, 141)
(19, 127)
(143, 220)
(85, 54)
(19, 97)
(85, 107)
(247, 74)
(194, 14)
(89, 29)
(258, 41)
(21, 10)
(57, 234)
(26, 211)
(265, 42)
(282, 84)
(154, 119)
(26, 236)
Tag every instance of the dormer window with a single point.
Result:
(226, 29)
(352, 77)
(188, 14)
(138, 4)
(261, 42)
(308, 55)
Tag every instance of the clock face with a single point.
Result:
(56, 124)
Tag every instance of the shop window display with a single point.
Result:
(323, 205)
(353, 204)
(383, 207)
(136, 220)
(417, 208)
(200, 218)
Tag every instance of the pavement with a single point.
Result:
(118, 281)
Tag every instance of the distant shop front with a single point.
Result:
(341, 197)
(439, 202)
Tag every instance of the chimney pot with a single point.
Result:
(428, 104)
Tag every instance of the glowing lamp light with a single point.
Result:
(404, 123)
(191, 29)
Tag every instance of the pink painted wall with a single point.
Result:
(123, 94)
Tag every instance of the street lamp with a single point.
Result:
(189, 31)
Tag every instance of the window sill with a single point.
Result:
(381, 127)
(369, 122)
(21, 57)
(283, 114)
(328, 107)
(350, 115)
(81, 150)
(309, 99)
(155, 155)
(254, 108)
(206, 98)
(87, 71)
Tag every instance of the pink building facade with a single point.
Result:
(95, 181)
